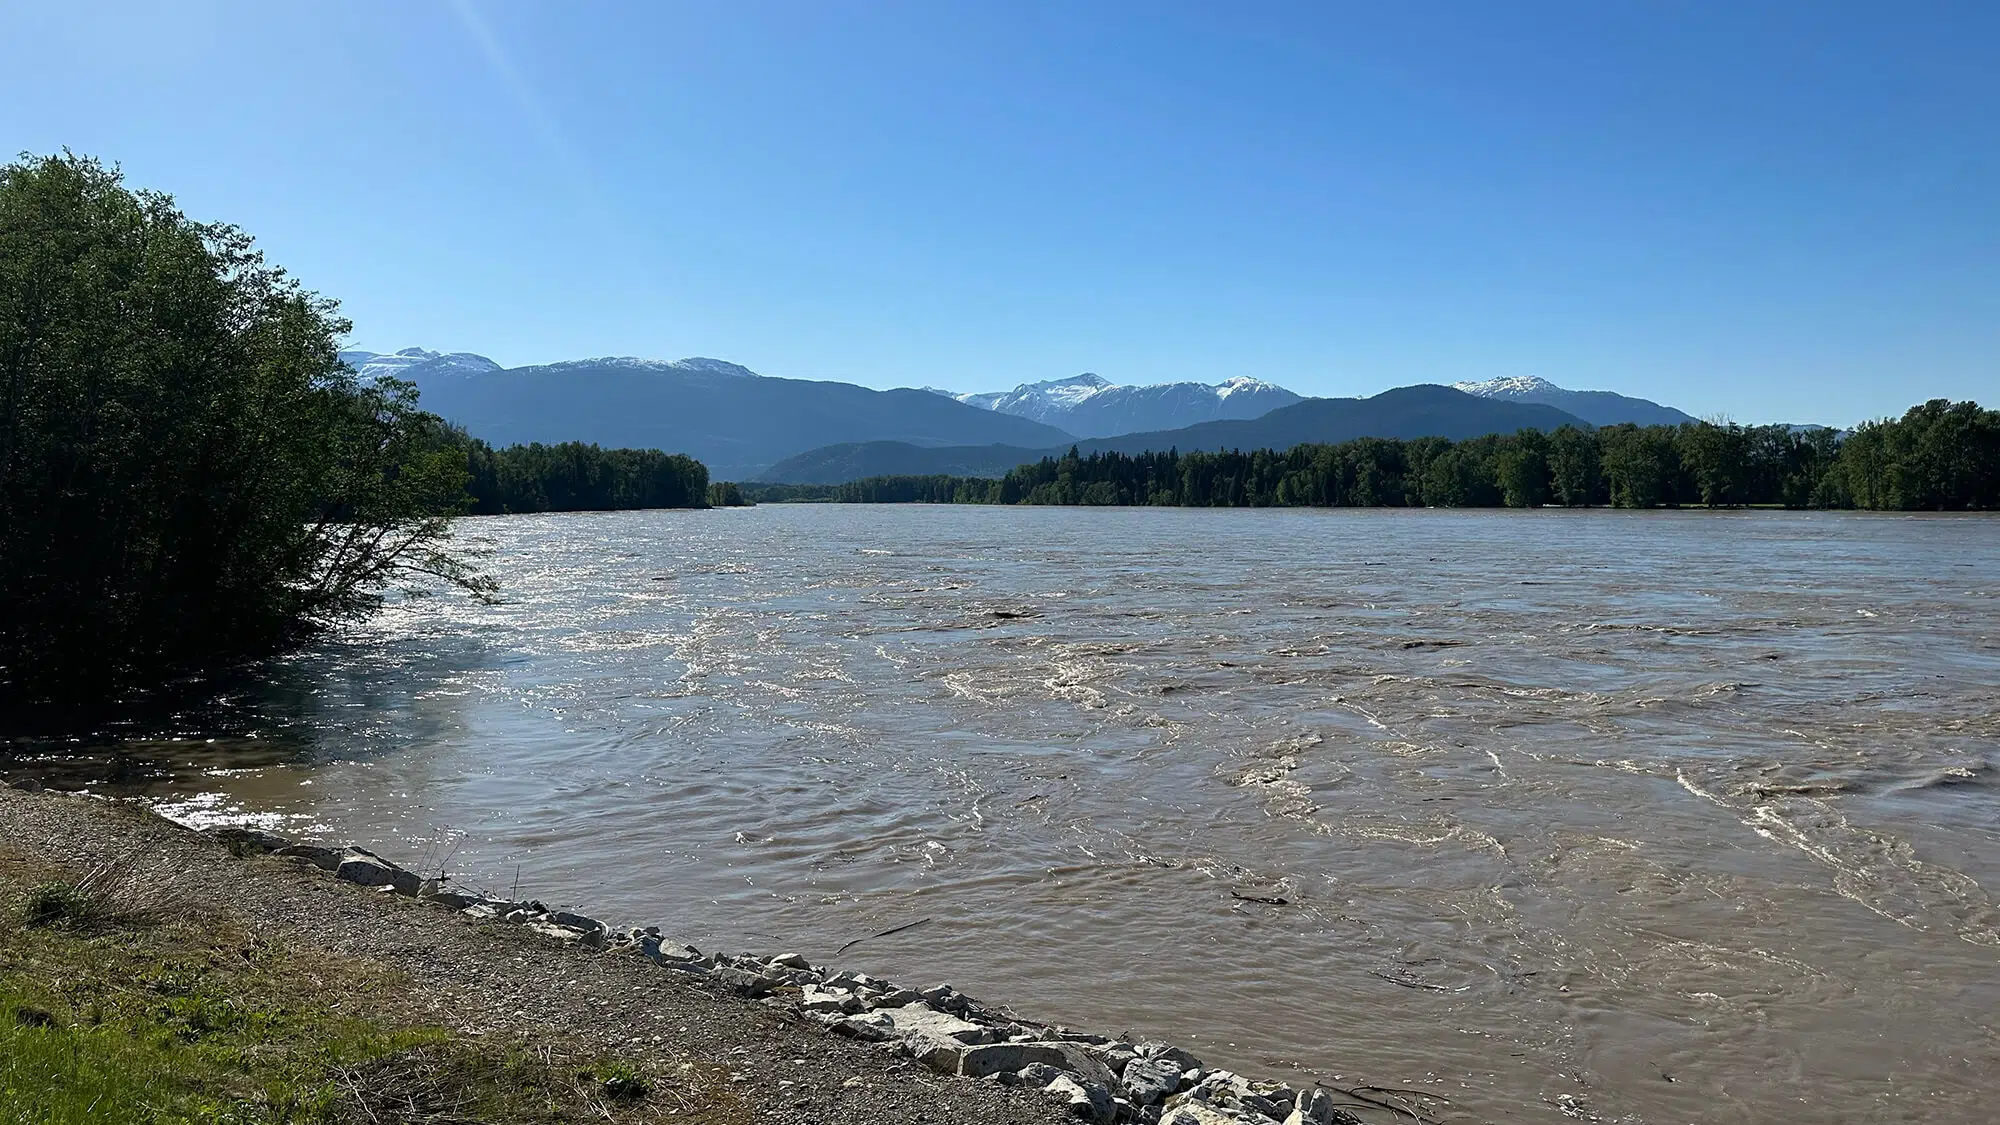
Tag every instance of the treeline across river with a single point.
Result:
(579, 477)
(1938, 456)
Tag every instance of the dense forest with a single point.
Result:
(576, 477)
(1938, 456)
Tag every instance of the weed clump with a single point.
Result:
(623, 1083)
(56, 903)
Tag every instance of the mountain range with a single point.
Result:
(1406, 412)
(730, 418)
(1089, 405)
(744, 425)
(1599, 408)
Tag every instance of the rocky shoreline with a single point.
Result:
(1096, 1078)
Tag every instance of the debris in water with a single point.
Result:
(1397, 976)
(883, 934)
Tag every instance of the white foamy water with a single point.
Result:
(1630, 817)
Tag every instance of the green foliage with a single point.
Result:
(579, 477)
(788, 493)
(623, 1082)
(1938, 456)
(1941, 455)
(189, 477)
(726, 494)
(1576, 467)
(56, 903)
(913, 490)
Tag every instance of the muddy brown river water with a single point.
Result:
(1633, 817)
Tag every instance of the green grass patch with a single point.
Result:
(195, 1022)
(56, 902)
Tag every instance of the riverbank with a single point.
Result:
(248, 976)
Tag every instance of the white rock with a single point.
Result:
(1315, 1107)
(1201, 1113)
(1151, 1081)
(560, 933)
(923, 1019)
(1086, 1100)
(813, 998)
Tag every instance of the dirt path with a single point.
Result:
(488, 980)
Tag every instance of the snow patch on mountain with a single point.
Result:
(411, 362)
(1090, 405)
(1599, 408)
(1513, 386)
(694, 365)
(1244, 385)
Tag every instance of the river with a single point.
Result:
(1633, 817)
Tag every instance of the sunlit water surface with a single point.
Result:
(1630, 817)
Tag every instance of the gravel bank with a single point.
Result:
(799, 1042)
(503, 980)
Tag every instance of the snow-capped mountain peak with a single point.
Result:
(1073, 390)
(698, 365)
(714, 367)
(1513, 386)
(411, 362)
(1090, 405)
(1245, 385)
(1599, 408)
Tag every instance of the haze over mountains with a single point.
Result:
(744, 425)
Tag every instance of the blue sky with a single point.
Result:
(1770, 211)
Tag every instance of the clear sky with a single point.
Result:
(1770, 211)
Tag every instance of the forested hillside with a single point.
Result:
(1938, 456)
(1404, 412)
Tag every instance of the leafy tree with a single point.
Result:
(1575, 467)
(1523, 468)
(1640, 465)
(1939, 455)
(1717, 458)
(189, 476)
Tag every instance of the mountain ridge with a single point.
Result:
(723, 414)
(1090, 405)
(1599, 408)
(747, 425)
(1425, 410)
